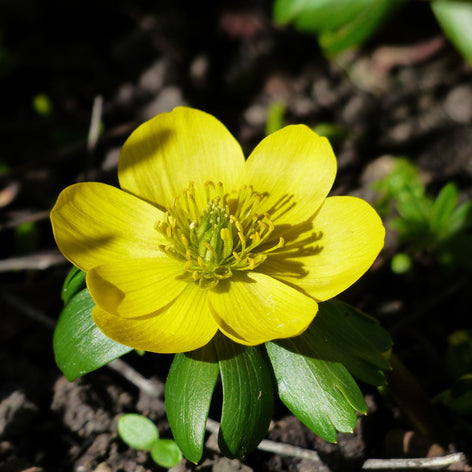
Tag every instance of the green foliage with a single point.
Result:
(189, 389)
(137, 431)
(459, 398)
(455, 18)
(166, 453)
(248, 397)
(313, 372)
(74, 283)
(320, 392)
(338, 25)
(140, 433)
(275, 117)
(334, 132)
(345, 24)
(404, 181)
(79, 346)
(436, 226)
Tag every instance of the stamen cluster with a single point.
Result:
(221, 238)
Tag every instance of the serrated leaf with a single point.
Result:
(189, 389)
(443, 207)
(73, 284)
(166, 453)
(248, 397)
(344, 334)
(455, 18)
(137, 431)
(79, 345)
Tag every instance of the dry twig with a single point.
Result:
(38, 261)
(436, 463)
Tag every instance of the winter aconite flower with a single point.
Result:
(199, 240)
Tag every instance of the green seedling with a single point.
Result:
(425, 225)
(140, 433)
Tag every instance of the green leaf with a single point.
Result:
(248, 397)
(312, 370)
(320, 393)
(461, 218)
(455, 18)
(74, 283)
(344, 334)
(443, 208)
(313, 16)
(189, 388)
(415, 208)
(369, 17)
(166, 453)
(339, 25)
(79, 346)
(459, 396)
(137, 431)
(275, 117)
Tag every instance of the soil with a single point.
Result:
(406, 93)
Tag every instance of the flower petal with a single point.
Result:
(183, 326)
(94, 223)
(135, 287)
(254, 308)
(294, 165)
(351, 236)
(165, 154)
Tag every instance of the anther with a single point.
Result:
(211, 249)
(239, 226)
(225, 234)
(188, 255)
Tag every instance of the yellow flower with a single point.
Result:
(198, 239)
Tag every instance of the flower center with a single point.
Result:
(227, 235)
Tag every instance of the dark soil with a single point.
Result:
(226, 58)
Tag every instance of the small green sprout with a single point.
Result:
(425, 225)
(42, 105)
(275, 117)
(140, 433)
(401, 263)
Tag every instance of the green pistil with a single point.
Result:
(214, 242)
